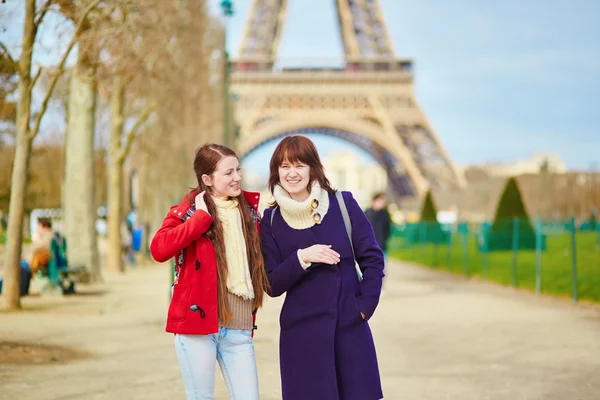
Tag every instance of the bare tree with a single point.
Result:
(119, 150)
(177, 53)
(125, 71)
(26, 131)
(79, 207)
(161, 65)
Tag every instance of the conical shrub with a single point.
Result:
(429, 210)
(511, 207)
(429, 229)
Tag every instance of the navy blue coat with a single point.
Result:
(326, 348)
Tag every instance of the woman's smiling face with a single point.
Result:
(225, 181)
(294, 177)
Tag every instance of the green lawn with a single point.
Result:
(556, 263)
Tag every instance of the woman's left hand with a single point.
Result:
(363, 316)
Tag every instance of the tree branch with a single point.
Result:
(131, 134)
(35, 78)
(11, 62)
(60, 68)
(67, 8)
(43, 12)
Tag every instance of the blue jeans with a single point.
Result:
(234, 351)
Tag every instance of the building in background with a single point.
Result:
(535, 164)
(346, 170)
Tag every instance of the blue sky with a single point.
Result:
(499, 81)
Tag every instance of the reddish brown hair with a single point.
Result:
(297, 148)
(205, 163)
(378, 195)
(45, 222)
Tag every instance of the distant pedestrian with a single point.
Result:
(380, 220)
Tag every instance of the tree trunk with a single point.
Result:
(11, 286)
(79, 201)
(115, 189)
(11, 297)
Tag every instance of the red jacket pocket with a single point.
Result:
(179, 302)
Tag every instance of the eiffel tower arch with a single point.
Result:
(369, 101)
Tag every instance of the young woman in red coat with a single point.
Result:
(219, 277)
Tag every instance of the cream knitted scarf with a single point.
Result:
(302, 214)
(239, 281)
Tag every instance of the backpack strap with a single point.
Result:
(348, 226)
(272, 216)
(346, 217)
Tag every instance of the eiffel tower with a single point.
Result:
(369, 101)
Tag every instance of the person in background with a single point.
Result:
(126, 242)
(40, 246)
(380, 220)
(39, 255)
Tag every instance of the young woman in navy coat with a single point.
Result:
(326, 347)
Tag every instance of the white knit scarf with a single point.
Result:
(299, 214)
(239, 281)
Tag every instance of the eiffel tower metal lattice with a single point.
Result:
(368, 101)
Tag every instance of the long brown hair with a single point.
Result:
(205, 163)
(298, 148)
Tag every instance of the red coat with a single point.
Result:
(194, 306)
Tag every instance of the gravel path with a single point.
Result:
(437, 336)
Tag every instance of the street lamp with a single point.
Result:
(227, 8)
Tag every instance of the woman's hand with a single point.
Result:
(319, 253)
(200, 203)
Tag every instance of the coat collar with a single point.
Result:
(303, 214)
(252, 198)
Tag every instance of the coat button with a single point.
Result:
(316, 217)
(197, 265)
(194, 308)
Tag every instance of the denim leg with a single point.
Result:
(197, 358)
(235, 353)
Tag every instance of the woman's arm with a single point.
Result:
(368, 255)
(282, 274)
(175, 235)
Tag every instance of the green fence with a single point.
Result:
(553, 257)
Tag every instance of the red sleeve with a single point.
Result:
(174, 234)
